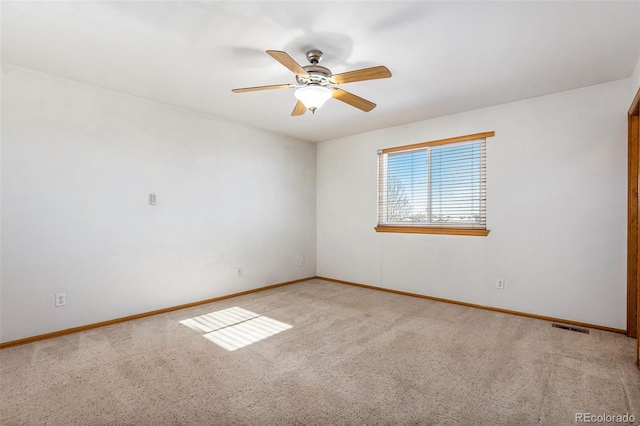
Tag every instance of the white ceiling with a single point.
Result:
(445, 57)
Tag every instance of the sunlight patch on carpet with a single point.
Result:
(235, 328)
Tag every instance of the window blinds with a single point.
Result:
(434, 184)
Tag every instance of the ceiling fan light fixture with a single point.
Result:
(313, 96)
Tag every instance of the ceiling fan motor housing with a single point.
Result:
(317, 75)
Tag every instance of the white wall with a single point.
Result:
(78, 163)
(556, 209)
(635, 79)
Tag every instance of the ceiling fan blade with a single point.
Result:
(299, 109)
(288, 62)
(353, 100)
(254, 89)
(372, 73)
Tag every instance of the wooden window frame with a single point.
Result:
(426, 229)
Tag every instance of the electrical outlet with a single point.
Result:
(500, 283)
(61, 299)
(240, 271)
(301, 261)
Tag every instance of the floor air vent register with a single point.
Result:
(572, 328)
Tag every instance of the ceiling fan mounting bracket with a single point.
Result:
(314, 56)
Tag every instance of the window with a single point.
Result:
(434, 187)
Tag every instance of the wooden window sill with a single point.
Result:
(433, 230)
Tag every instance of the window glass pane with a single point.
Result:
(456, 184)
(406, 196)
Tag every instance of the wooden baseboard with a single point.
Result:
(473, 305)
(65, 332)
(39, 337)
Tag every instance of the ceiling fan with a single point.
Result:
(316, 84)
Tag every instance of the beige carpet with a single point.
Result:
(337, 355)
